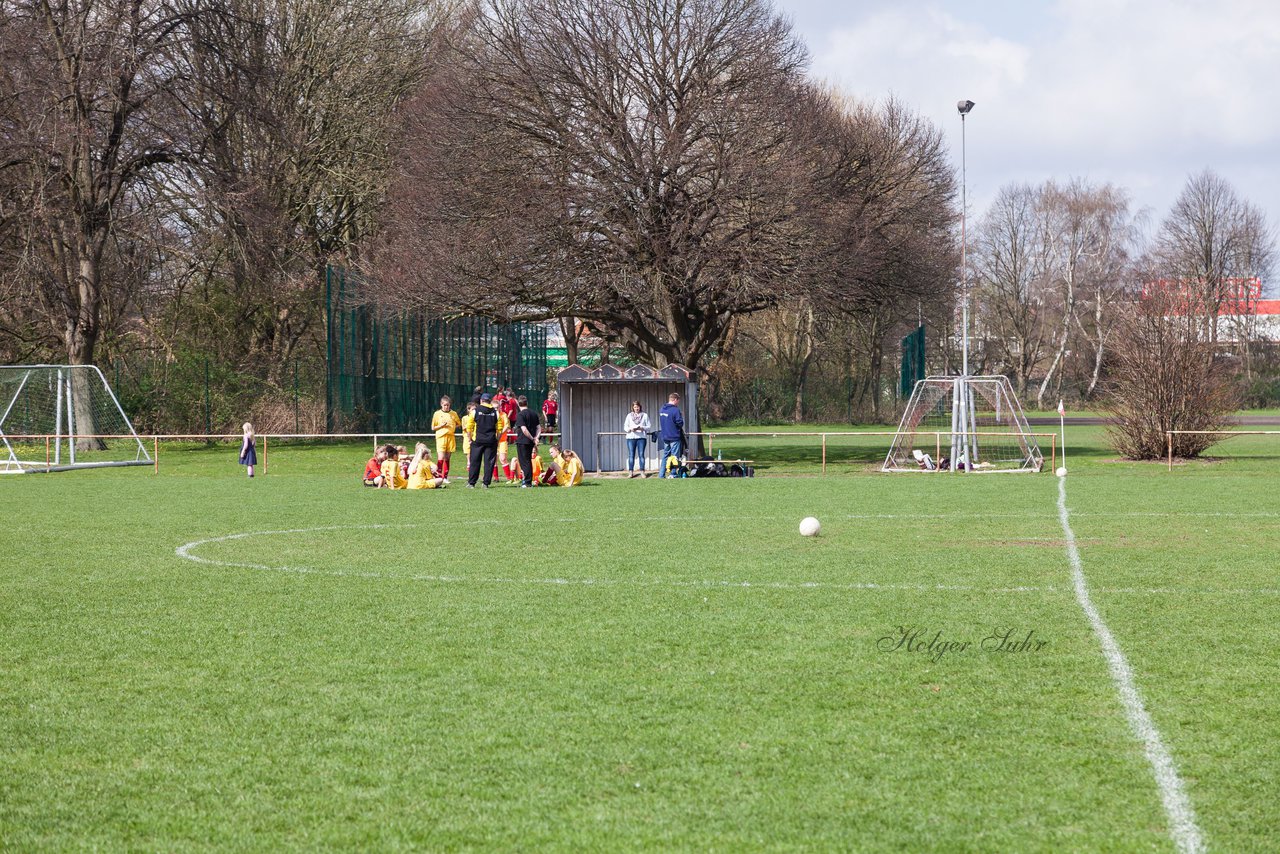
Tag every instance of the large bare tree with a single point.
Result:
(98, 95)
(881, 248)
(636, 163)
(97, 87)
(886, 235)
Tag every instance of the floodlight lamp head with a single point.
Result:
(964, 107)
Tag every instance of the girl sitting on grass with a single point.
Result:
(392, 475)
(566, 467)
(422, 474)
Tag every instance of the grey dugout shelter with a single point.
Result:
(594, 402)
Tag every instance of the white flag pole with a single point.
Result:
(1062, 428)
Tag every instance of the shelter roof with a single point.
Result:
(633, 374)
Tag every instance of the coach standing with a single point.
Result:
(484, 447)
(528, 428)
(671, 430)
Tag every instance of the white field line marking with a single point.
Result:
(186, 551)
(1182, 817)
(1262, 514)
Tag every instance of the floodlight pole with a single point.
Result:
(961, 413)
(964, 107)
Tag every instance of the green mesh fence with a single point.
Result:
(912, 362)
(387, 370)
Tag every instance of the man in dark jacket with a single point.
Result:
(528, 428)
(671, 432)
(490, 423)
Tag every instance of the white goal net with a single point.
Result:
(57, 417)
(964, 424)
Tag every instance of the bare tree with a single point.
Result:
(99, 94)
(1009, 261)
(1208, 245)
(881, 248)
(1086, 229)
(791, 336)
(1048, 261)
(885, 244)
(1165, 376)
(633, 163)
(295, 102)
(1103, 285)
(98, 90)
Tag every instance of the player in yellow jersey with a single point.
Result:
(542, 476)
(566, 466)
(422, 474)
(468, 433)
(445, 424)
(392, 475)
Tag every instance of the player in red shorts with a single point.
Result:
(505, 403)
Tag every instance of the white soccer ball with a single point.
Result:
(809, 526)
(1061, 472)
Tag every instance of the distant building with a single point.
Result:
(1257, 321)
(1243, 315)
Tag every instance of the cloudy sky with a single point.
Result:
(1139, 93)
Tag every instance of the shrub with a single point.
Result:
(1166, 376)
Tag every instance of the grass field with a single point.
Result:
(636, 664)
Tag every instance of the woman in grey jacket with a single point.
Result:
(636, 426)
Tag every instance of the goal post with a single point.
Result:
(984, 426)
(60, 417)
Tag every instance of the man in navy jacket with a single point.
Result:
(671, 432)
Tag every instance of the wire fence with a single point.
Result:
(32, 443)
(388, 368)
(828, 445)
(819, 449)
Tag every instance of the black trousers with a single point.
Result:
(525, 454)
(486, 452)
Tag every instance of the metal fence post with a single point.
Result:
(208, 420)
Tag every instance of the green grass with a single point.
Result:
(633, 664)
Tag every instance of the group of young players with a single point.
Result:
(489, 420)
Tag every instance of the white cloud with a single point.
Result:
(1137, 92)
(907, 54)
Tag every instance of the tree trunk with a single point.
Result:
(877, 375)
(1068, 312)
(570, 331)
(1099, 349)
(807, 347)
(81, 341)
(797, 411)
